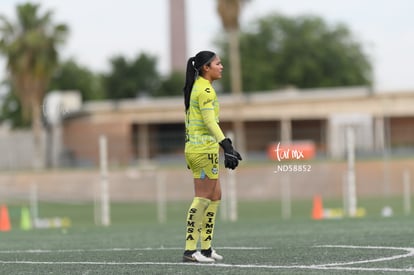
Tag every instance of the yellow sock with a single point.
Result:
(207, 228)
(194, 219)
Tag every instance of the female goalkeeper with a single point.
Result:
(203, 138)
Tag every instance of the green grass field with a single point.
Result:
(260, 242)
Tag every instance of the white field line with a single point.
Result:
(121, 249)
(249, 266)
(329, 266)
(409, 253)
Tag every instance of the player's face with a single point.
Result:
(215, 69)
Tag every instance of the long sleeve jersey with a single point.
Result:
(202, 130)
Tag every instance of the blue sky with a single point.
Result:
(101, 29)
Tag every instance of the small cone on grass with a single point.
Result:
(5, 224)
(25, 220)
(317, 209)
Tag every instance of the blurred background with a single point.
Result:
(91, 103)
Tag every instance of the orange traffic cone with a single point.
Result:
(317, 210)
(4, 219)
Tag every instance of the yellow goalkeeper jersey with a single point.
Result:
(202, 130)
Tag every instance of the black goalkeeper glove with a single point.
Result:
(231, 156)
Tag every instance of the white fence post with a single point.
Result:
(232, 190)
(352, 200)
(407, 192)
(105, 208)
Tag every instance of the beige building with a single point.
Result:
(154, 128)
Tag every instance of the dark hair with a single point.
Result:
(194, 65)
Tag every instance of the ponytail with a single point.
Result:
(190, 76)
(194, 66)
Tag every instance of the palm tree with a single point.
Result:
(30, 47)
(229, 12)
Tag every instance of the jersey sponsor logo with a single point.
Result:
(214, 170)
(207, 101)
(207, 90)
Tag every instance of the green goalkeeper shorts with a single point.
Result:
(203, 164)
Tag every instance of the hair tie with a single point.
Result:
(196, 73)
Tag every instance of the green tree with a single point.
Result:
(303, 51)
(11, 109)
(30, 47)
(130, 79)
(171, 85)
(72, 76)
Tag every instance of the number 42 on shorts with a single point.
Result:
(213, 158)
